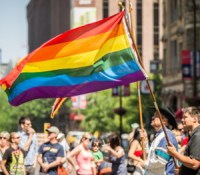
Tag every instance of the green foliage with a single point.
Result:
(37, 110)
(99, 115)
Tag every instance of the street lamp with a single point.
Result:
(120, 111)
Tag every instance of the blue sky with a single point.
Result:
(13, 30)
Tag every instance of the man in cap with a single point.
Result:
(191, 158)
(50, 153)
(159, 161)
(131, 134)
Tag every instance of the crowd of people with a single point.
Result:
(174, 149)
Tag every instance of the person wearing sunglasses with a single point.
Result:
(96, 153)
(4, 144)
(13, 158)
(50, 153)
(85, 161)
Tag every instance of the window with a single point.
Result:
(156, 39)
(105, 8)
(180, 55)
(156, 14)
(174, 55)
(164, 65)
(156, 29)
(139, 26)
(139, 36)
(174, 10)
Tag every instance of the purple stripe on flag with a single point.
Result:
(69, 91)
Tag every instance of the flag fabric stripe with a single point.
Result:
(69, 91)
(58, 102)
(96, 28)
(112, 74)
(59, 51)
(76, 62)
(108, 61)
(80, 60)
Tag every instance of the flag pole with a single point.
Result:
(138, 86)
(149, 86)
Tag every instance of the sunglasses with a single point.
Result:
(88, 139)
(3, 138)
(16, 137)
(95, 145)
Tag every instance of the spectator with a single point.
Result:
(62, 141)
(50, 153)
(133, 127)
(191, 158)
(181, 130)
(158, 161)
(135, 152)
(85, 161)
(97, 154)
(4, 144)
(13, 158)
(116, 155)
(29, 144)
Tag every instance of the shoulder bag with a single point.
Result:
(62, 170)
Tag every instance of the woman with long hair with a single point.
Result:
(84, 159)
(116, 155)
(135, 153)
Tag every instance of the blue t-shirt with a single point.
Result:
(50, 152)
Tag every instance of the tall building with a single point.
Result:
(149, 30)
(46, 19)
(181, 23)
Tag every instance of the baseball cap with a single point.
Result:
(53, 129)
(135, 125)
(60, 135)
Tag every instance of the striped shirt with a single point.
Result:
(159, 161)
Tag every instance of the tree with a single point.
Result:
(99, 115)
(37, 110)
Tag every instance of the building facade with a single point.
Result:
(181, 26)
(46, 19)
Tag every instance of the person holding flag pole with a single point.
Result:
(158, 113)
(138, 87)
(191, 158)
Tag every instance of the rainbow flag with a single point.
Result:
(87, 59)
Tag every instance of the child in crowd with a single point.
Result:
(96, 153)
